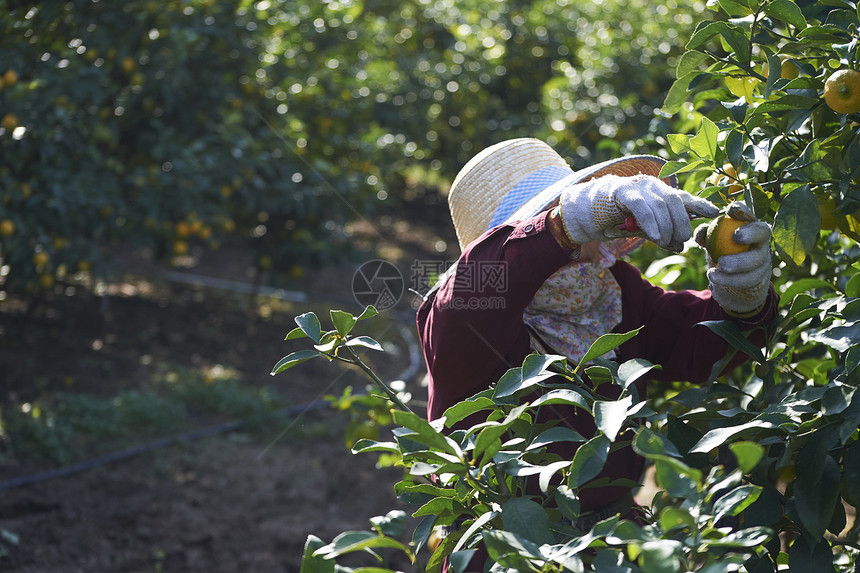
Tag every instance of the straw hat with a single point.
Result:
(519, 178)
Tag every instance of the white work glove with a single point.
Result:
(593, 210)
(740, 282)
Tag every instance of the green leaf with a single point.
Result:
(509, 549)
(297, 332)
(672, 517)
(546, 474)
(840, 337)
(604, 344)
(748, 454)
(836, 399)
(364, 341)
(351, 541)
(568, 502)
(425, 433)
(816, 487)
(678, 93)
(660, 556)
(676, 477)
(786, 11)
(735, 501)
(368, 312)
(705, 31)
(564, 396)
(729, 331)
(611, 415)
(801, 286)
(312, 564)
(718, 436)
(527, 519)
(391, 524)
(748, 537)
(851, 474)
(796, 225)
(704, 143)
(588, 460)
(632, 370)
(513, 381)
(342, 321)
(651, 445)
(735, 9)
(677, 167)
(460, 560)
(690, 62)
(482, 520)
(294, 359)
(553, 435)
(440, 506)
(818, 559)
(488, 443)
(466, 408)
(365, 445)
(310, 325)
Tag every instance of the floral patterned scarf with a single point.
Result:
(578, 303)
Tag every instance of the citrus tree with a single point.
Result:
(178, 125)
(756, 468)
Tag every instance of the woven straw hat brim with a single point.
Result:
(488, 177)
(624, 167)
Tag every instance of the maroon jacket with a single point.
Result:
(472, 329)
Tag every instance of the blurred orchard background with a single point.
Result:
(179, 178)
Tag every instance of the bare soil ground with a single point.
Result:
(243, 500)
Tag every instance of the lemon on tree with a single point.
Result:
(842, 91)
(9, 122)
(7, 228)
(731, 173)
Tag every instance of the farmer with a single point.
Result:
(540, 271)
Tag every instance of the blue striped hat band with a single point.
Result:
(536, 182)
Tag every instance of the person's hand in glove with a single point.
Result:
(593, 210)
(740, 282)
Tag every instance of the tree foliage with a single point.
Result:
(757, 467)
(175, 125)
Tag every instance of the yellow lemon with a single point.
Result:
(7, 228)
(9, 122)
(842, 91)
(732, 175)
(40, 259)
(719, 239)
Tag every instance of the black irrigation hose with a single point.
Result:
(184, 437)
(191, 435)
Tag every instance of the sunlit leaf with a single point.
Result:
(294, 359)
(611, 415)
(604, 344)
(312, 563)
(310, 325)
(342, 321)
(748, 455)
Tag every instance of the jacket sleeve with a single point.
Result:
(471, 328)
(671, 335)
